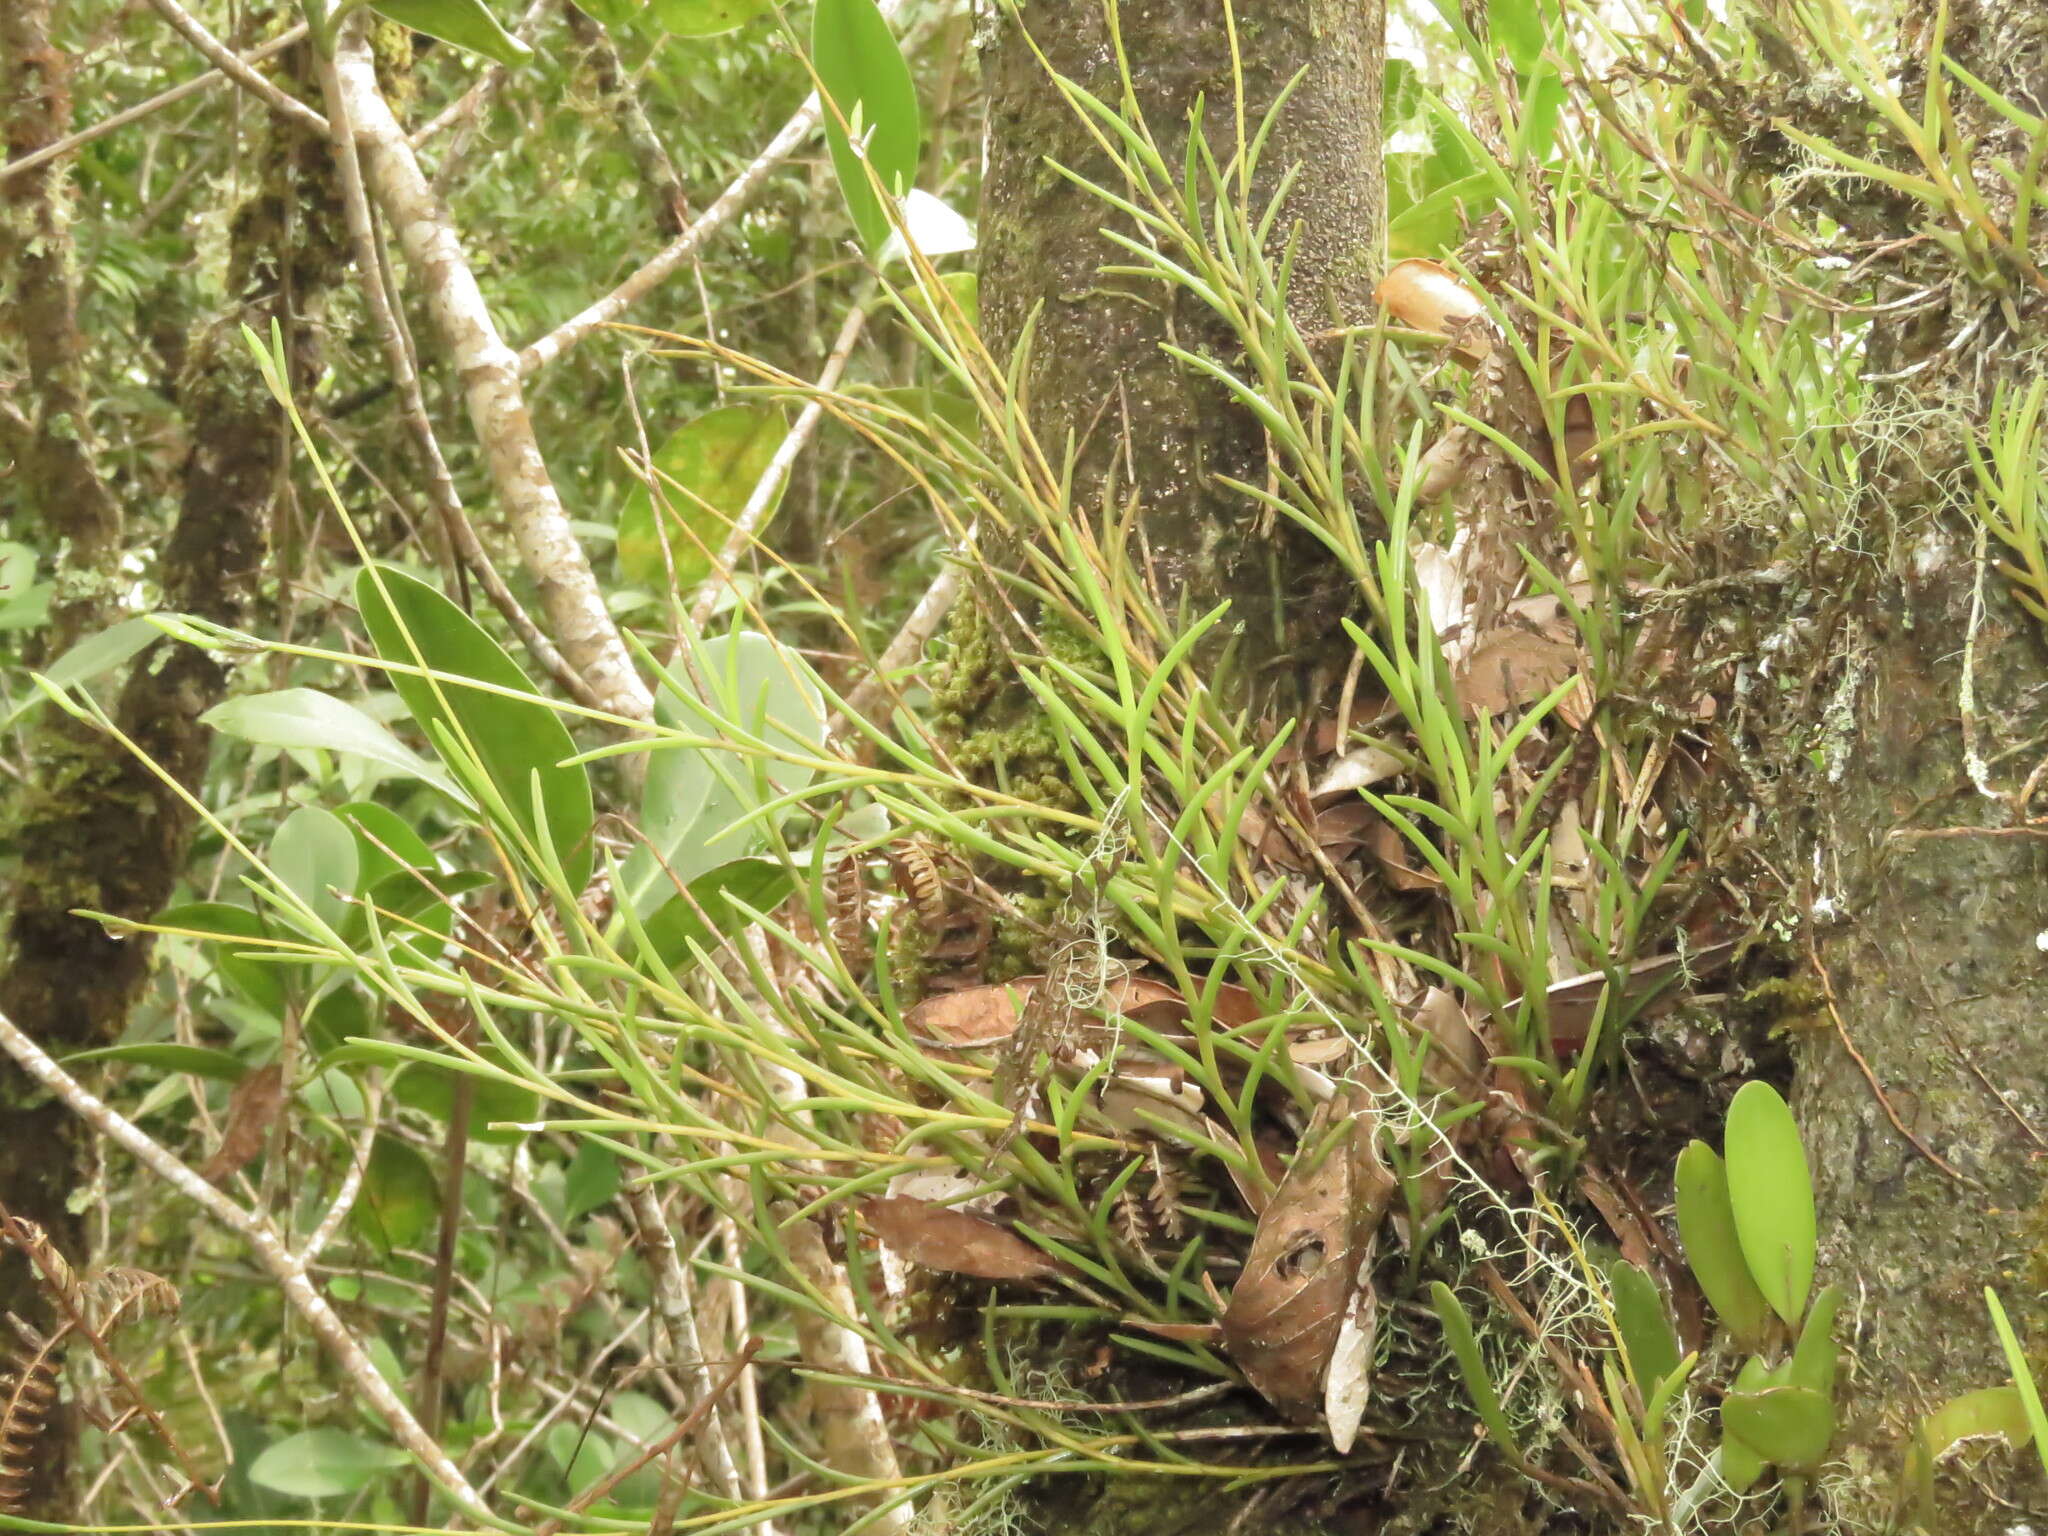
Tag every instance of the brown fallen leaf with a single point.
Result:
(1399, 864)
(938, 1237)
(1574, 1001)
(1287, 1308)
(252, 1110)
(1510, 667)
(988, 1015)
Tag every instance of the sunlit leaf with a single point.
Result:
(1771, 1191)
(465, 23)
(305, 718)
(866, 78)
(516, 740)
(716, 460)
(703, 18)
(313, 856)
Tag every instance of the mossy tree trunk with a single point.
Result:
(91, 827)
(1096, 377)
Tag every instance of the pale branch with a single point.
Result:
(678, 1313)
(850, 1417)
(263, 1239)
(119, 120)
(229, 63)
(569, 593)
(351, 1182)
(923, 623)
(748, 524)
(405, 378)
(679, 250)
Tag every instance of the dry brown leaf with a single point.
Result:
(252, 1111)
(987, 1015)
(941, 1238)
(1428, 296)
(1574, 1000)
(1347, 1384)
(1287, 1307)
(1399, 865)
(1511, 667)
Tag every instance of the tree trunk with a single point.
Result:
(94, 829)
(1096, 379)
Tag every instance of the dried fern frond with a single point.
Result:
(28, 1400)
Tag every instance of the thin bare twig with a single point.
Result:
(264, 1240)
(142, 109)
(747, 525)
(1827, 988)
(229, 63)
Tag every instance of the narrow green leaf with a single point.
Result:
(1645, 1329)
(514, 739)
(465, 23)
(1772, 1194)
(1706, 1225)
(865, 76)
(1472, 1366)
(1813, 1358)
(717, 460)
(166, 1056)
(2022, 1374)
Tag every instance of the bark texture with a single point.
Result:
(92, 828)
(1096, 376)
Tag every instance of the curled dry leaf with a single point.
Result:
(1360, 768)
(1288, 1306)
(1428, 296)
(1398, 862)
(939, 1238)
(252, 1110)
(1347, 1385)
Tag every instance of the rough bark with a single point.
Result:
(93, 828)
(1925, 884)
(1096, 375)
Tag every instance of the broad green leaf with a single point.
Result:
(1772, 1194)
(431, 1090)
(24, 601)
(717, 459)
(703, 18)
(303, 718)
(1464, 1345)
(583, 1454)
(313, 856)
(515, 740)
(1740, 1463)
(168, 1056)
(1706, 1225)
(1645, 1329)
(1786, 1426)
(935, 406)
(1518, 27)
(1542, 100)
(1993, 1412)
(613, 14)
(465, 23)
(322, 1464)
(709, 914)
(385, 844)
(400, 1200)
(695, 804)
(865, 77)
(591, 1180)
(262, 982)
